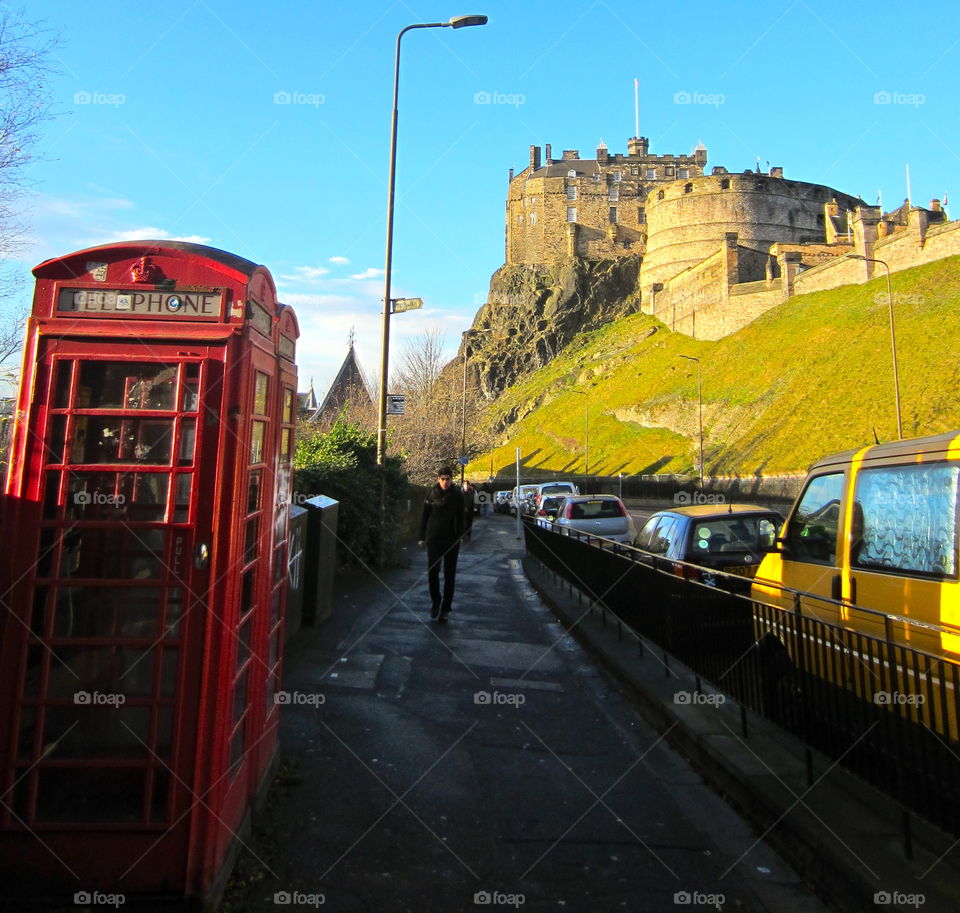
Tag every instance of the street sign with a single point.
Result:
(396, 403)
(406, 304)
(463, 461)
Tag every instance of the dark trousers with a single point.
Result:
(442, 553)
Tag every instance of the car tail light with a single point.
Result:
(623, 510)
(541, 512)
(568, 511)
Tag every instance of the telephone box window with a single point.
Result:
(260, 393)
(126, 385)
(256, 442)
(253, 491)
(61, 385)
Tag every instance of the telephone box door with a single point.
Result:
(114, 543)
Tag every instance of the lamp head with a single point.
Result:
(459, 22)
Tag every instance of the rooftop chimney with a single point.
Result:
(534, 158)
(571, 154)
(547, 154)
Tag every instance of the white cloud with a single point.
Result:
(340, 261)
(369, 273)
(306, 274)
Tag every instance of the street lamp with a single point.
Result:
(893, 338)
(458, 22)
(463, 420)
(586, 439)
(699, 411)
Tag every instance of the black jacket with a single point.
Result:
(442, 516)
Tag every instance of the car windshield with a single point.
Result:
(733, 534)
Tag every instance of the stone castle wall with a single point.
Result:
(715, 251)
(590, 208)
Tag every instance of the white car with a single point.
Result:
(596, 515)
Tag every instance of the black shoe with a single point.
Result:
(443, 618)
(435, 610)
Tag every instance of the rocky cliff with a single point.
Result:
(534, 311)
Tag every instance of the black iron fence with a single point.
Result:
(885, 711)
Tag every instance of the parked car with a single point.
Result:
(501, 502)
(522, 498)
(597, 515)
(549, 507)
(726, 537)
(547, 489)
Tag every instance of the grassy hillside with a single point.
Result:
(808, 378)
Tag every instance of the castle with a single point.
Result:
(716, 250)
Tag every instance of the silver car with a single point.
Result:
(596, 515)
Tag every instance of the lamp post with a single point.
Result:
(893, 338)
(586, 438)
(458, 22)
(699, 411)
(463, 414)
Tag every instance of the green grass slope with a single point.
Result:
(810, 377)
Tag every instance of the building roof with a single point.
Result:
(349, 386)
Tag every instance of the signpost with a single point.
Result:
(406, 304)
(396, 403)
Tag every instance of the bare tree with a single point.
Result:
(428, 433)
(25, 51)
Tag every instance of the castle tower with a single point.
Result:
(591, 208)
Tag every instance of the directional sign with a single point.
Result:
(406, 304)
(396, 403)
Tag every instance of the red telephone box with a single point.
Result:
(143, 585)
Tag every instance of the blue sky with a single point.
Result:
(263, 129)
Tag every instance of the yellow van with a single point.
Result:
(874, 532)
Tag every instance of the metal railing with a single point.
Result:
(887, 712)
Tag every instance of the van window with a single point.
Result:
(812, 530)
(905, 519)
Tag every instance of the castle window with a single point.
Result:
(617, 176)
(533, 218)
(688, 188)
(683, 173)
(571, 174)
(613, 213)
(533, 201)
(668, 171)
(520, 219)
(641, 217)
(635, 170)
(651, 174)
(571, 213)
(725, 184)
(614, 194)
(571, 191)
(660, 195)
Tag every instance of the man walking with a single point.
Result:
(441, 529)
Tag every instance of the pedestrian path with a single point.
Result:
(487, 763)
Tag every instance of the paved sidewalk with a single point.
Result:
(488, 763)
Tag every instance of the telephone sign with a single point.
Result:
(396, 403)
